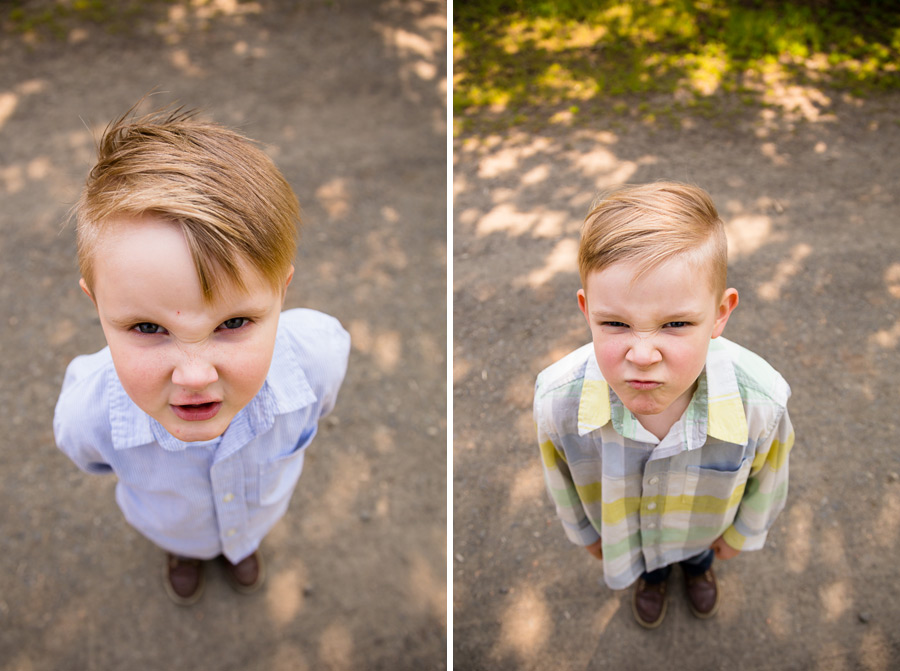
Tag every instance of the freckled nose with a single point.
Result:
(194, 373)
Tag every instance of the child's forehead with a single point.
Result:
(683, 279)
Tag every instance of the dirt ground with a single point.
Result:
(349, 97)
(812, 207)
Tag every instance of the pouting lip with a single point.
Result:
(643, 384)
(197, 412)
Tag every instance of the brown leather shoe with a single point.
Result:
(183, 579)
(247, 575)
(703, 594)
(649, 603)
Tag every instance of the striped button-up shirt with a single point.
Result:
(721, 469)
(203, 499)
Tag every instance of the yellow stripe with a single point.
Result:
(589, 493)
(549, 454)
(734, 538)
(778, 453)
(616, 511)
(775, 457)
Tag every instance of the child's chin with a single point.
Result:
(194, 432)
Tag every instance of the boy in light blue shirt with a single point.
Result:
(207, 396)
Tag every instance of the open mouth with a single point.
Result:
(197, 412)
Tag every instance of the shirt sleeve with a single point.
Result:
(766, 490)
(561, 486)
(76, 428)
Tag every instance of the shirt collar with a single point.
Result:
(286, 389)
(724, 418)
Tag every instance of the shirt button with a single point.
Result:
(652, 525)
(231, 532)
(651, 506)
(654, 480)
(228, 498)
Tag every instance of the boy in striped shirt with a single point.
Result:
(662, 443)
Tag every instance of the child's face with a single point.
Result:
(651, 334)
(190, 365)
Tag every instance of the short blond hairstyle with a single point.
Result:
(652, 223)
(225, 194)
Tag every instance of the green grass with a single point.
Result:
(42, 18)
(600, 55)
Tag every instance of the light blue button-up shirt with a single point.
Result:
(203, 499)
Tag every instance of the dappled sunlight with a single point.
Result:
(525, 624)
(562, 259)
(876, 652)
(351, 472)
(526, 488)
(798, 536)
(887, 338)
(285, 594)
(608, 611)
(747, 233)
(787, 269)
(289, 657)
(429, 589)
(334, 198)
(190, 16)
(385, 346)
(835, 600)
(885, 529)
(779, 619)
(892, 280)
(336, 648)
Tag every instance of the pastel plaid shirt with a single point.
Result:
(722, 468)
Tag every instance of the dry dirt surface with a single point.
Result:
(810, 198)
(349, 98)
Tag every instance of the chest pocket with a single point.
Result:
(716, 482)
(278, 477)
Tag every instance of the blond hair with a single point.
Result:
(652, 223)
(225, 194)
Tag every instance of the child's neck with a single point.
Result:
(660, 423)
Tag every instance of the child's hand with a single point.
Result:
(595, 549)
(723, 550)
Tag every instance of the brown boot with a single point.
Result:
(703, 594)
(183, 579)
(247, 575)
(649, 603)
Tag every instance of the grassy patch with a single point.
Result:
(599, 55)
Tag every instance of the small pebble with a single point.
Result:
(365, 516)
(503, 590)
(865, 617)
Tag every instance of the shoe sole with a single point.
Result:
(177, 598)
(705, 616)
(644, 623)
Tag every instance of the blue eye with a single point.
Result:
(677, 325)
(149, 328)
(235, 323)
(617, 325)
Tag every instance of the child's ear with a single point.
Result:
(726, 306)
(287, 283)
(582, 304)
(84, 288)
